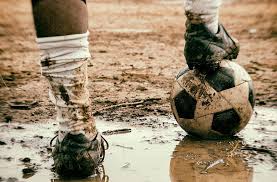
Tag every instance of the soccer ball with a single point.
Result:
(215, 105)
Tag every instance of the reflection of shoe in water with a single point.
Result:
(208, 161)
(76, 156)
(99, 177)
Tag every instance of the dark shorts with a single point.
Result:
(34, 2)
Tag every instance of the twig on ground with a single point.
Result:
(145, 101)
(118, 131)
(125, 147)
(4, 82)
(23, 105)
(231, 153)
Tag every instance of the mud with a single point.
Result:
(139, 153)
(137, 49)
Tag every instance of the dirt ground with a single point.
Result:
(137, 49)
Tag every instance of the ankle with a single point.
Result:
(203, 12)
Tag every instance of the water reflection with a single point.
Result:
(100, 177)
(198, 160)
(145, 154)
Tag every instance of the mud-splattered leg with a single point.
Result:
(61, 27)
(207, 41)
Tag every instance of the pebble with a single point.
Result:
(28, 170)
(2, 143)
(26, 159)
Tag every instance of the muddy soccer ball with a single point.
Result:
(216, 105)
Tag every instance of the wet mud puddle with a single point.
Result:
(161, 153)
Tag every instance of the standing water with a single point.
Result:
(161, 153)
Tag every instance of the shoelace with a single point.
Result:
(53, 140)
(104, 146)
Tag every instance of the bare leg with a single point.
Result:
(60, 17)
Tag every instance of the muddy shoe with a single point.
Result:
(205, 50)
(76, 156)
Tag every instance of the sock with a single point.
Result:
(203, 11)
(64, 61)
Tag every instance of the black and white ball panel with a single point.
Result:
(240, 74)
(176, 89)
(222, 79)
(208, 99)
(210, 102)
(226, 122)
(237, 98)
(185, 105)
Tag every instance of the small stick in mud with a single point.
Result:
(118, 131)
(23, 105)
(231, 153)
(145, 101)
(125, 147)
(214, 163)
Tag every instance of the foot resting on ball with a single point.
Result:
(77, 156)
(205, 50)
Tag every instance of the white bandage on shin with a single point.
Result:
(203, 11)
(64, 47)
(64, 62)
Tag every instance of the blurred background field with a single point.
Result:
(137, 49)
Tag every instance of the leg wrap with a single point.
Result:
(64, 62)
(203, 12)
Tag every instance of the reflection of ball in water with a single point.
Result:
(207, 161)
(219, 104)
